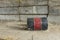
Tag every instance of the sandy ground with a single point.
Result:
(12, 30)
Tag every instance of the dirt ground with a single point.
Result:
(12, 30)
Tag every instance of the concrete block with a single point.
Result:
(6, 3)
(41, 2)
(32, 2)
(54, 10)
(54, 19)
(54, 2)
(9, 17)
(24, 17)
(26, 2)
(13, 10)
(42, 9)
(34, 10)
(26, 10)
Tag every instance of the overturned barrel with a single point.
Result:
(37, 23)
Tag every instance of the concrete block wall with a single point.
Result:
(23, 9)
(9, 3)
(54, 7)
(34, 10)
(9, 10)
(54, 11)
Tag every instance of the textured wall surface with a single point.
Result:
(55, 10)
(24, 17)
(33, 10)
(23, 9)
(9, 17)
(54, 2)
(19, 10)
(9, 3)
(33, 2)
(9, 10)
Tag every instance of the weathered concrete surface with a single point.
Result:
(46, 35)
(41, 2)
(54, 10)
(9, 17)
(42, 9)
(34, 10)
(24, 17)
(26, 10)
(54, 19)
(12, 30)
(26, 2)
(7, 3)
(54, 2)
(32, 2)
(12, 10)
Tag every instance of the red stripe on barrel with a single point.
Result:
(37, 24)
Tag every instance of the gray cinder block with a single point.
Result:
(26, 2)
(42, 9)
(25, 10)
(24, 17)
(6, 3)
(41, 2)
(55, 10)
(32, 2)
(34, 10)
(54, 2)
(54, 19)
(9, 10)
(9, 17)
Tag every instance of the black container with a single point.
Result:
(40, 25)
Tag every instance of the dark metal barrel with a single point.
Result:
(37, 23)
